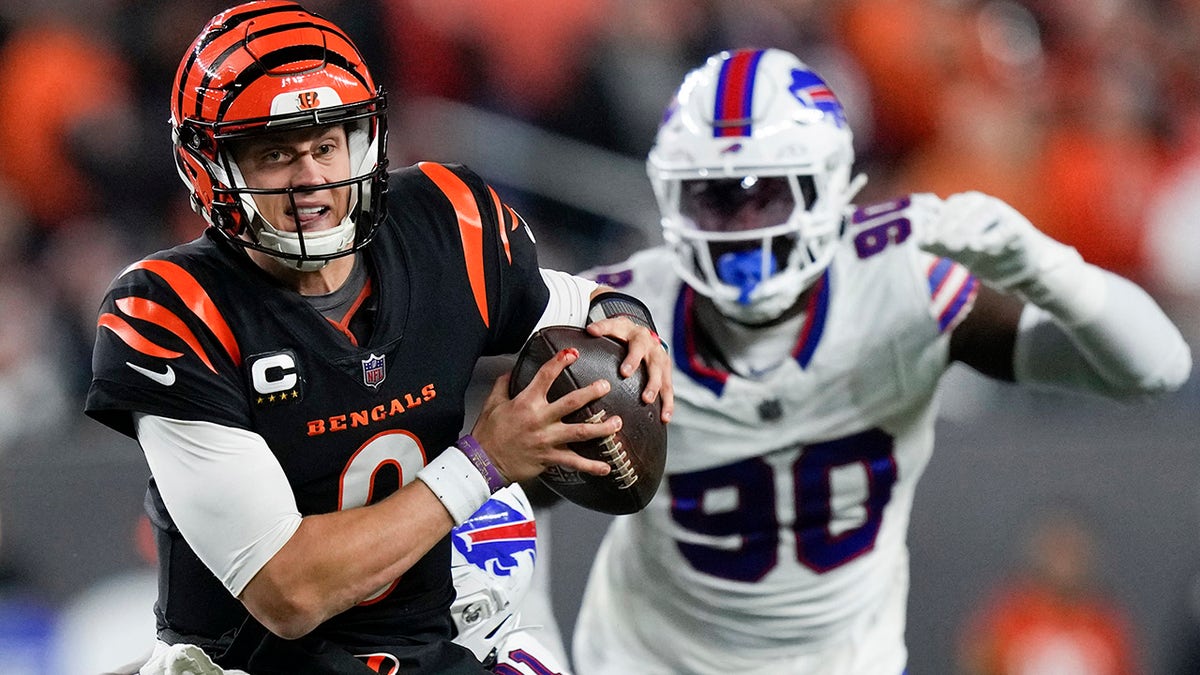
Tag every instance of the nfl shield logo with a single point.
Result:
(374, 370)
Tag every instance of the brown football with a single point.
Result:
(637, 453)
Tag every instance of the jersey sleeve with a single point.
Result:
(952, 290)
(500, 254)
(885, 232)
(163, 348)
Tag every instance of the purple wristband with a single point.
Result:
(475, 452)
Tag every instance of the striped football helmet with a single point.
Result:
(272, 66)
(751, 168)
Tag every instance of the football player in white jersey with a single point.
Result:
(809, 336)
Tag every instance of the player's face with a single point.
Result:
(737, 204)
(300, 158)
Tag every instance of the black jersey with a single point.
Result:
(199, 332)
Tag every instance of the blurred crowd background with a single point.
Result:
(1084, 114)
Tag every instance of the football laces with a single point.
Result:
(614, 452)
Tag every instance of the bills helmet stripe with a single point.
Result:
(735, 94)
(513, 532)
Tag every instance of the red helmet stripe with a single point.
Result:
(735, 94)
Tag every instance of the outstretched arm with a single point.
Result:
(1083, 328)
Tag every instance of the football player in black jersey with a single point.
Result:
(296, 376)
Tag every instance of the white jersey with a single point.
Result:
(776, 542)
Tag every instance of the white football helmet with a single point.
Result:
(492, 564)
(751, 168)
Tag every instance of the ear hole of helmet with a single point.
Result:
(198, 141)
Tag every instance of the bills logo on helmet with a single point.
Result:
(495, 537)
(374, 370)
(812, 92)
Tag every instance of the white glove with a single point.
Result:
(182, 659)
(1005, 250)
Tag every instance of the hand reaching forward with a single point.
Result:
(989, 237)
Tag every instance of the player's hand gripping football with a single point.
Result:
(526, 435)
(644, 347)
(990, 238)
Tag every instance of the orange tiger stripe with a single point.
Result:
(132, 338)
(516, 220)
(500, 221)
(148, 310)
(196, 299)
(470, 228)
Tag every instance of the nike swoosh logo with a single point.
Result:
(166, 378)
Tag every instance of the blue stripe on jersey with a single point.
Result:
(937, 275)
(949, 310)
(965, 293)
(814, 323)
